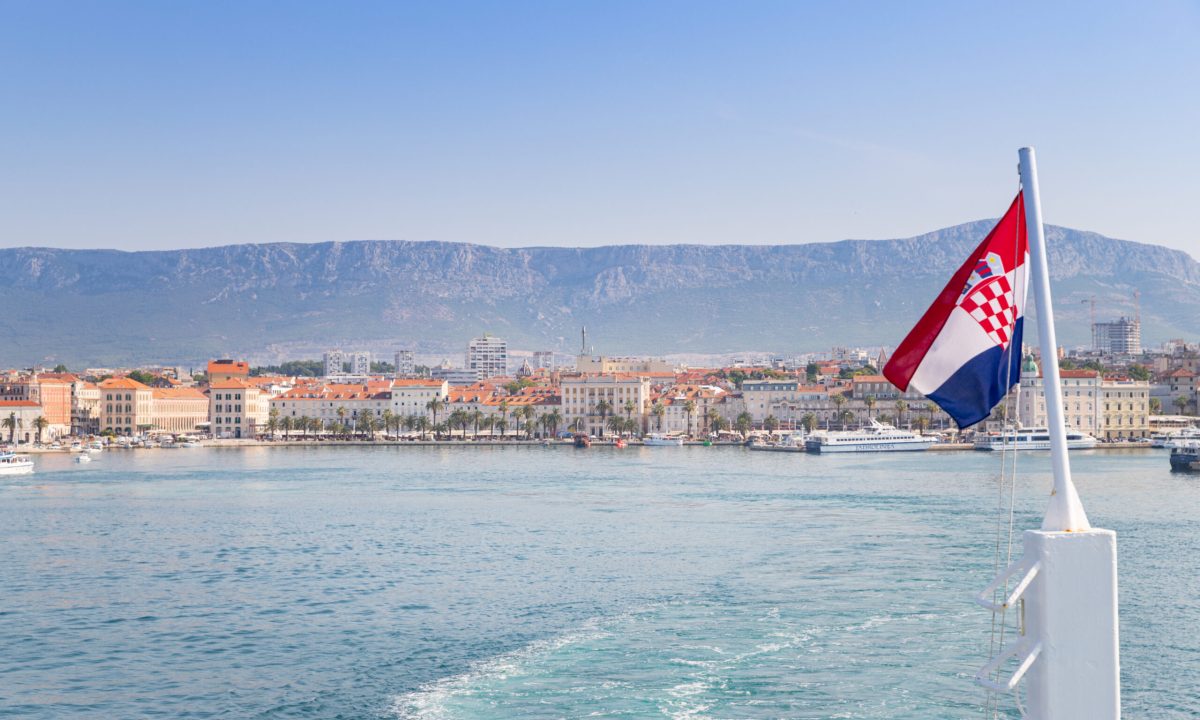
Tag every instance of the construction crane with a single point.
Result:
(1092, 301)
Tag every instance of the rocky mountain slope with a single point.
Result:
(106, 306)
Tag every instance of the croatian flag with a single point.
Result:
(965, 353)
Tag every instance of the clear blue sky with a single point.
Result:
(147, 125)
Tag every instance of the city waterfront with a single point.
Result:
(521, 582)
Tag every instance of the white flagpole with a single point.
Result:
(1066, 582)
(1065, 512)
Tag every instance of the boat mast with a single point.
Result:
(1065, 587)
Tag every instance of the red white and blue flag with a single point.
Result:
(965, 352)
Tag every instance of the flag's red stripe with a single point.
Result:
(908, 356)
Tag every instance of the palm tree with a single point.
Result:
(503, 416)
(553, 420)
(502, 426)
(477, 419)
(603, 407)
(714, 420)
(528, 413)
(658, 410)
(388, 418)
(422, 425)
(922, 424)
(10, 424)
(1180, 402)
(630, 406)
(901, 406)
(272, 422)
(870, 401)
(1155, 406)
(433, 406)
(577, 425)
(616, 423)
(809, 421)
(690, 408)
(839, 401)
(40, 424)
(316, 424)
(770, 424)
(366, 421)
(744, 422)
(341, 414)
(846, 417)
(286, 424)
(410, 422)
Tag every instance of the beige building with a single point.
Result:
(601, 365)
(412, 396)
(237, 409)
(19, 417)
(1081, 399)
(179, 410)
(85, 408)
(582, 394)
(1126, 412)
(126, 407)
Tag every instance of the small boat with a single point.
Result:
(95, 446)
(619, 443)
(792, 442)
(660, 440)
(876, 437)
(1035, 438)
(1185, 456)
(1179, 438)
(189, 444)
(76, 447)
(582, 440)
(83, 458)
(13, 464)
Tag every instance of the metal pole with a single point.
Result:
(1065, 512)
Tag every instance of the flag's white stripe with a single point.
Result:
(961, 339)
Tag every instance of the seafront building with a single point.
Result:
(126, 407)
(237, 409)
(488, 355)
(180, 410)
(582, 396)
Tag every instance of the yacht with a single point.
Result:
(792, 442)
(95, 446)
(876, 437)
(1035, 438)
(1179, 438)
(659, 439)
(13, 464)
(83, 458)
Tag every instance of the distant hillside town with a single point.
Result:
(1115, 390)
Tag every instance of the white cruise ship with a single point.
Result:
(1036, 438)
(877, 437)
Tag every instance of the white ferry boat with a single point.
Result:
(1036, 438)
(13, 464)
(661, 440)
(876, 437)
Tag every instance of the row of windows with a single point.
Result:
(109, 408)
(228, 408)
(230, 421)
(229, 396)
(117, 396)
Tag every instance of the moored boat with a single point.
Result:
(1035, 438)
(1185, 456)
(13, 464)
(661, 440)
(791, 442)
(83, 458)
(582, 440)
(876, 437)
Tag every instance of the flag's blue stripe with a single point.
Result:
(969, 394)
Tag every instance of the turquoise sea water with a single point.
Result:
(535, 582)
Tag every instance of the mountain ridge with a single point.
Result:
(269, 300)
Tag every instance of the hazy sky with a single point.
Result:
(170, 124)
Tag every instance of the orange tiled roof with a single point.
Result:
(178, 393)
(231, 384)
(122, 383)
(237, 367)
(18, 403)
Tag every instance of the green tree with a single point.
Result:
(870, 401)
(60, 368)
(1138, 372)
(744, 422)
(141, 376)
(40, 424)
(11, 423)
(477, 420)
(714, 420)
(553, 419)
(771, 424)
(901, 407)
(809, 422)
(529, 413)
(811, 372)
(286, 425)
(839, 402)
(434, 406)
(689, 407)
(658, 410)
(1182, 403)
(603, 407)
(1155, 406)
(616, 423)
(272, 421)
(503, 424)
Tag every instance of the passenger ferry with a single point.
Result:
(877, 437)
(13, 464)
(1036, 438)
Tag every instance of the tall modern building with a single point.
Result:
(1121, 337)
(405, 364)
(488, 355)
(338, 362)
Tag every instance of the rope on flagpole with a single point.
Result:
(1009, 431)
